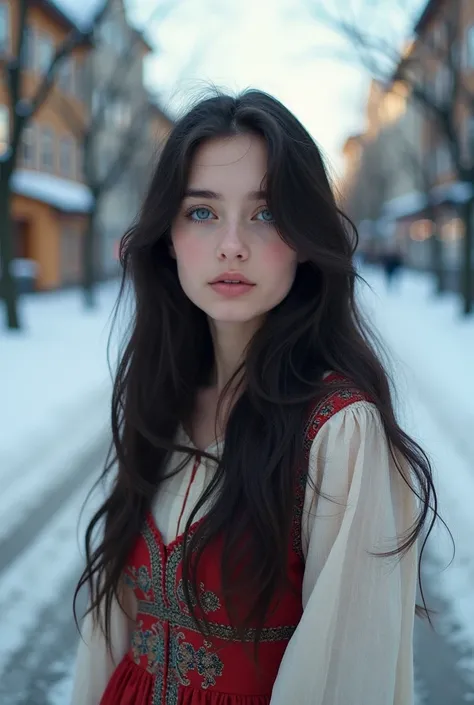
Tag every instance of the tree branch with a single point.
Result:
(127, 148)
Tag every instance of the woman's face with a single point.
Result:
(231, 261)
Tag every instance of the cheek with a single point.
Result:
(281, 258)
(188, 250)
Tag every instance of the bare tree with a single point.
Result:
(443, 100)
(101, 179)
(367, 191)
(420, 166)
(22, 109)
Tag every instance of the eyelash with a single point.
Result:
(194, 209)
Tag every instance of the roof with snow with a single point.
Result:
(404, 206)
(80, 12)
(67, 196)
(410, 204)
(453, 192)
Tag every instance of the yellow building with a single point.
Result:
(50, 200)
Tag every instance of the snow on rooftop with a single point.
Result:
(81, 12)
(455, 192)
(412, 203)
(402, 206)
(68, 196)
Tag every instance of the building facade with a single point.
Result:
(50, 199)
(97, 115)
(420, 194)
(125, 137)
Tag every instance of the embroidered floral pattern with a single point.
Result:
(331, 403)
(202, 660)
(166, 641)
(151, 644)
(209, 600)
(139, 579)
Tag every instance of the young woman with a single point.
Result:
(260, 539)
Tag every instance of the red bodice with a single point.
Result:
(170, 662)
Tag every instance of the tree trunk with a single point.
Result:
(89, 265)
(8, 289)
(467, 281)
(437, 264)
(89, 256)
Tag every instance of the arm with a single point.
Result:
(94, 663)
(354, 641)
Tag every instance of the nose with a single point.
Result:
(232, 246)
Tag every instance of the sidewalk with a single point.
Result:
(430, 343)
(432, 352)
(55, 390)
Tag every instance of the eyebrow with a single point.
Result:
(204, 193)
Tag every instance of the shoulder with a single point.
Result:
(341, 403)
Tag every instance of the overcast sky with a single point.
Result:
(274, 45)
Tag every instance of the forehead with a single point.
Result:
(234, 163)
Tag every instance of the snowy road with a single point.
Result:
(39, 567)
(444, 658)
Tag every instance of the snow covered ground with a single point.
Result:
(55, 388)
(54, 413)
(431, 348)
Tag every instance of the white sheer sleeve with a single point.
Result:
(94, 663)
(354, 641)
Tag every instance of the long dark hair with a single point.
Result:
(169, 356)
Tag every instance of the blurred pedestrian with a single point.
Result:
(261, 474)
(392, 264)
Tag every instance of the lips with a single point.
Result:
(231, 278)
(231, 285)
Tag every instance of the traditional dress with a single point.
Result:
(340, 634)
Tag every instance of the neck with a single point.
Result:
(230, 341)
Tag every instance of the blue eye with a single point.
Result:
(266, 216)
(199, 215)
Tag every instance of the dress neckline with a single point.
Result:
(188, 441)
(168, 547)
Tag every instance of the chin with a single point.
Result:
(232, 314)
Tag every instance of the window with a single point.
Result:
(470, 47)
(4, 128)
(28, 146)
(47, 149)
(4, 27)
(28, 52)
(45, 51)
(66, 157)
